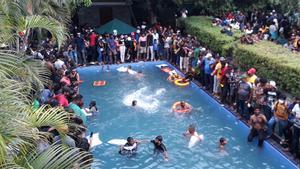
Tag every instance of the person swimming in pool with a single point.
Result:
(173, 76)
(134, 103)
(130, 71)
(130, 147)
(222, 143)
(191, 131)
(139, 74)
(182, 106)
(159, 147)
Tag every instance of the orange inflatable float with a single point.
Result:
(99, 83)
(181, 107)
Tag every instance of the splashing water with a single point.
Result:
(145, 99)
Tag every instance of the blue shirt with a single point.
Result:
(112, 43)
(79, 41)
(207, 63)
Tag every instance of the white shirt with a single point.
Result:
(155, 36)
(296, 109)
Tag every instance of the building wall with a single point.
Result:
(92, 15)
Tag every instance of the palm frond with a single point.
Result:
(46, 116)
(61, 157)
(22, 70)
(57, 29)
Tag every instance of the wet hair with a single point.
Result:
(222, 140)
(192, 127)
(92, 103)
(134, 102)
(129, 139)
(159, 138)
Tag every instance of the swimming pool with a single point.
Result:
(155, 96)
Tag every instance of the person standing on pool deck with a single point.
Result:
(159, 147)
(258, 126)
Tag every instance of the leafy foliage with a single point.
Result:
(273, 62)
(19, 134)
(217, 7)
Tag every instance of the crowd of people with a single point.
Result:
(257, 100)
(259, 26)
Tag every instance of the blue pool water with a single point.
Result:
(155, 95)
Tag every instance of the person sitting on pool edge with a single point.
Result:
(130, 147)
(191, 131)
(222, 143)
(159, 147)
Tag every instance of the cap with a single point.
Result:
(273, 83)
(251, 71)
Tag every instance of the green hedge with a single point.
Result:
(271, 61)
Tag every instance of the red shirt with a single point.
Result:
(62, 100)
(93, 39)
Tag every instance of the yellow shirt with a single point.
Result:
(218, 70)
(252, 79)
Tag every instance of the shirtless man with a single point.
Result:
(258, 127)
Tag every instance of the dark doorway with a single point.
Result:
(106, 15)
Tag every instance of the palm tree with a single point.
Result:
(19, 134)
(19, 18)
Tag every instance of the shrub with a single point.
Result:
(272, 62)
